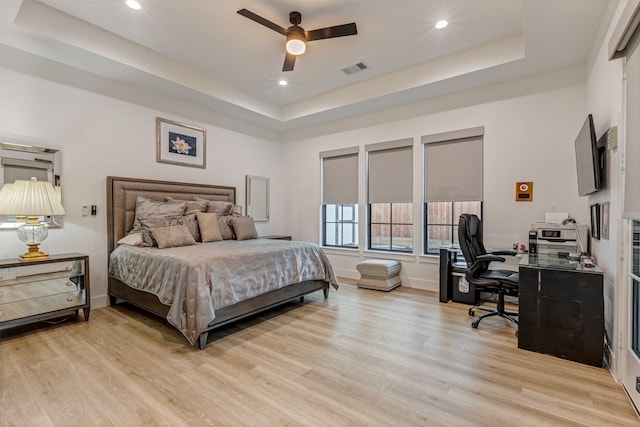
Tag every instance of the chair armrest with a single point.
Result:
(489, 258)
(504, 252)
(485, 258)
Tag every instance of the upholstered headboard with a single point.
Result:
(122, 193)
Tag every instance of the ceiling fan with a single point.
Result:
(297, 37)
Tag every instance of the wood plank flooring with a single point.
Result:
(362, 357)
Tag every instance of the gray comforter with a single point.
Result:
(196, 280)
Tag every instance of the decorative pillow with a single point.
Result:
(150, 223)
(147, 208)
(225, 228)
(244, 227)
(209, 228)
(216, 206)
(191, 206)
(132, 239)
(172, 236)
(192, 225)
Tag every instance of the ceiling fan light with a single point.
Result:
(296, 47)
(296, 41)
(441, 24)
(133, 4)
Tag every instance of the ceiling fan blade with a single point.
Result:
(260, 20)
(330, 32)
(289, 62)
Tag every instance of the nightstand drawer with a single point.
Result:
(43, 288)
(42, 306)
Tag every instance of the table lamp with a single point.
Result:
(31, 199)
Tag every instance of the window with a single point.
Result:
(390, 196)
(452, 184)
(340, 225)
(391, 227)
(340, 198)
(441, 222)
(635, 283)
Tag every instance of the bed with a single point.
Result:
(216, 311)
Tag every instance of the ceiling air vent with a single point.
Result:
(355, 68)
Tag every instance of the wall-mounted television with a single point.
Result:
(588, 159)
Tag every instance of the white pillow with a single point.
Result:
(132, 239)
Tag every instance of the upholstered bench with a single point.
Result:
(379, 274)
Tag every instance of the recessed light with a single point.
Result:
(441, 24)
(133, 4)
(283, 83)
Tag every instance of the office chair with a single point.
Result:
(498, 282)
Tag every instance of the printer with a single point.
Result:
(558, 240)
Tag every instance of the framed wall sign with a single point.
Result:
(180, 144)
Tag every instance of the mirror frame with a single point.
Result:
(10, 222)
(257, 198)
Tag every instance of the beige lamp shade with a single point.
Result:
(30, 198)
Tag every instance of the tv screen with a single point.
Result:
(587, 159)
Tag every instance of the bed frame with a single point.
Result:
(121, 202)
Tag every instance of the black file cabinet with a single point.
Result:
(562, 312)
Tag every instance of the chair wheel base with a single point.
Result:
(474, 325)
(472, 312)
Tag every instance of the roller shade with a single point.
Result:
(453, 170)
(340, 176)
(390, 171)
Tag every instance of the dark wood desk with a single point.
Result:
(561, 309)
(452, 268)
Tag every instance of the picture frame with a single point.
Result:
(604, 220)
(595, 221)
(180, 144)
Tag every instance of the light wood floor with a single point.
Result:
(360, 358)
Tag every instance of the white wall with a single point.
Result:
(604, 100)
(101, 136)
(528, 137)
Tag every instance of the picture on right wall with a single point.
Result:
(604, 220)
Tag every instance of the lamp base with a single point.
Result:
(34, 253)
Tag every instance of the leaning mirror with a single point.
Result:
(23, 161)
(257, 198)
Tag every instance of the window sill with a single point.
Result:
(429, 258)
(389, 255)
(340, 251)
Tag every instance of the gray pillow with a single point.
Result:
(149, 224)
(244, 227)
(225, 228)
(191, 206)
(216, 206)
(172, 236)
(147, 208)
(192, 225)
(221, 208)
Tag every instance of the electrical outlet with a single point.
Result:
(638, 384)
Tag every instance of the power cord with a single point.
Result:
(606, 353)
